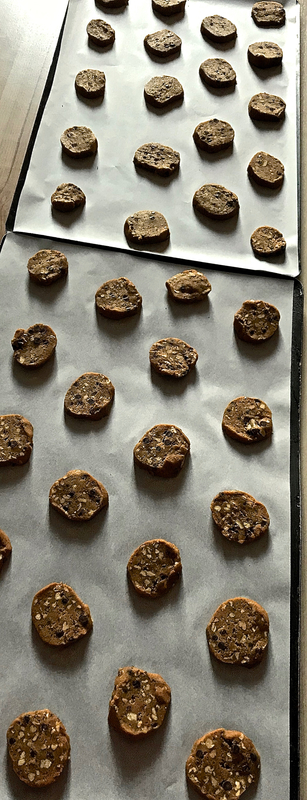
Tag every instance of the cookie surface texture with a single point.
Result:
(79, 142)
(34, 346)
(172, 357)
(162, 43)
(217, 72)
(267, 241)
(238, 632)
(154, 567)
(118, 298)
(16, 439)
(266, 107)
(216, 202)
(139, 702)
(90, 83)
(266, 170)
(39, 747)
(162, 91)
(90, 396)
(47, 266)
(168, 7)
(218, 29)
(67, 197)
(162, 450)
(189, 286)
(157, 158)
(105, 4)
(268, 14)
(264, 54)
(223, 759)
(213, 135)
(59, 616)
(146, 227)
(100, 32)
(239, 516)
(78, 496)
(5, 548)
(256, 321)
(248, 420)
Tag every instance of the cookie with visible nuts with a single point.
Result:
(266, 170)
(189, 286)
(47, 266)
(256, 321)
(248, 420)
(59, 616)
(146, 227)
(218, 29)
(118, 298)
(90, 396)
(67, 197)
(218, 73)
(268, 14)
(100, 33)
(239, 516)
(238, 632)
(78, 496)
(90, 83)
(267, 241)
(79, 142)
(216, 202)
(162, 43)
(5, 548)
(172, 357)
(157, 158)
(266, 107)
(16, 439)
(162, 91)
(213, 135)
(223, 759)
(168, 7)
(139, 702)
(264, 54)
(39, 747)
(34, 346)
(154, 567)
(162, 450)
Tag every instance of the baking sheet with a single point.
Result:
(122, 122)
(167, 636)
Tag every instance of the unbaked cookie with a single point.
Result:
(90, 83)
(239, 516)
(256, 321)
(47, 266)
(139, 702)
(67, 197)
(162, 43)
(39, 747)
(146, 227)
(218, 73)
(213, 135)
(16, 439)
(264, 54)
(238, 632)
(267, 241)
(162, 450)
(79, 142)
(78, 496)
(248, 420)
(268, 14)
(157, 158)
(34, 346)
(216, 202)
(266, 170)
(59, 616)
(218, 29)
(154, 567)
(172, 357)
(118, 298)
(100, 32)
(168, 7)
(90, 396)
(222, 759)
(162, 91)
(189, 286)
(5, 548)
(266, 107)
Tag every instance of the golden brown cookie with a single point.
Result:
(238, 632)
(146, 227)
(266, 170)
(218, 29)
(162, 91)
(34, 346)
(256, 321)
(67, 197)
(5, 548)
(189, 286)
(248, 420)
(79, 142)
(168, 7)
(239, 516)
(100, 32)
(139, 702)
(118, 298)
(267, 241)
(218, 73)
(264, 54)
(216, 202)
(213, 135)
(266, 107)
(162, 43)
(16, 439)
(222, 759)
(90, 83)
(162, 450)
(47, 266)
(59, 616)
(154, 567)
(172, 357)
(157, 158)
(268, 14)
(78, 496)
(90, 396)
(39, 747)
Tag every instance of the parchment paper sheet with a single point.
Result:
(122, 122)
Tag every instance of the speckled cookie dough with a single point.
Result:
(223, 764)
(267, 241)
(100, 32)
(34, 346)
(154, 567)
(216, 202)
(248, 420)
(172, 357)
(239, 516)
(256, 321)
(39, 747)
(213, 135)
(218, 29)
(268, 14)
(59, 616)
(238, 632)
(90, 83)
(67, 197)
(146, 227)
(47, 266)
(78, 496)
(162, 450)
(266, 107)
(266, 170)
(218, 73)
(162, 43)
(189, 286)
(168, 7)
(118, 298)
(5, 548)
(79, 142)
(16, 439)
(264, 54)
(157, 158)
(139, 702)
(162, 91)
(90, 396)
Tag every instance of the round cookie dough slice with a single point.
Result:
(106, 4)
(47, 266)
(146, 227)
(248, 420)
(223, 759)
(218, 73)
(218, 29)
(266, 170)
(154, 567)
(118, 298)
(216, 202)
(239, 516)
(139, 702)
(79, 142)
(67, 197)
(162, 450)
(100, 33)
(16, 439)
(238, 632)
(266, 107)
(157, 158)
(89, 397)
(162, 43)
(162, 91)
(267, 241)
(213, 135)
(5, 548)
(256, 321)
(264, 54)
(78, 496)
(168, 7)
(268, 14)
(59, 616)
(172, 357)
(39, 747)
(189, 286)
(90, 83)
(34, 346)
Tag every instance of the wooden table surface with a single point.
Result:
(28, 36)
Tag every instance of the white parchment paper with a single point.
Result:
(123, 122)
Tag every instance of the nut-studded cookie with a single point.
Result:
(218, 29)
(268, 14)
(34, 346)
(267, 241)
(218, 73)
(239, 516)
(78, 496)
(189, 286)
(222, 759)
(266, 170)
(248, 420)
(162, 91)
(5, 548)
(154, 567)
(47, 266)
(146, 227)
(157, 158)
(266, 107)
(213, 135)
(79, 142)
(106, 4)
(90, 83)
(172, 357)
(100, 32)
(67, 197)
(162, 450)
(139, 702)
(59, 616)
(256, 321)
(118, 298)
(39, 747)
(214, 201)
(168, 7)
(16, 439)
(162, 43)
(264, 54)
(238, 632)
(90, 396)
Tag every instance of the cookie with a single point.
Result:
(266, 107)
(34, 346)
(238, 632)
(79, 142)
(157, 158)
(162, 450)
(5, 548)
(162, 91)
(239, 516)
(154, 567)
(248, 420)
(118, 298)
(188, 286)
(78, 496)
(162, 43)
(264, 54)
(268, 14)
(256, 321)
(16, 439)
(100, 33)
(218, 29)
(223, 760)
(89, 397)
(59, 616)
(47, 266)
(218, 73)
(213, 135)
(67, 197)
(216, 202)
(146, 227)
(172, 357)
(39, 747)
(139, 702)
(106, 4)
(267, 241)
(168, 7)
(90, 83)
(266, 170)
